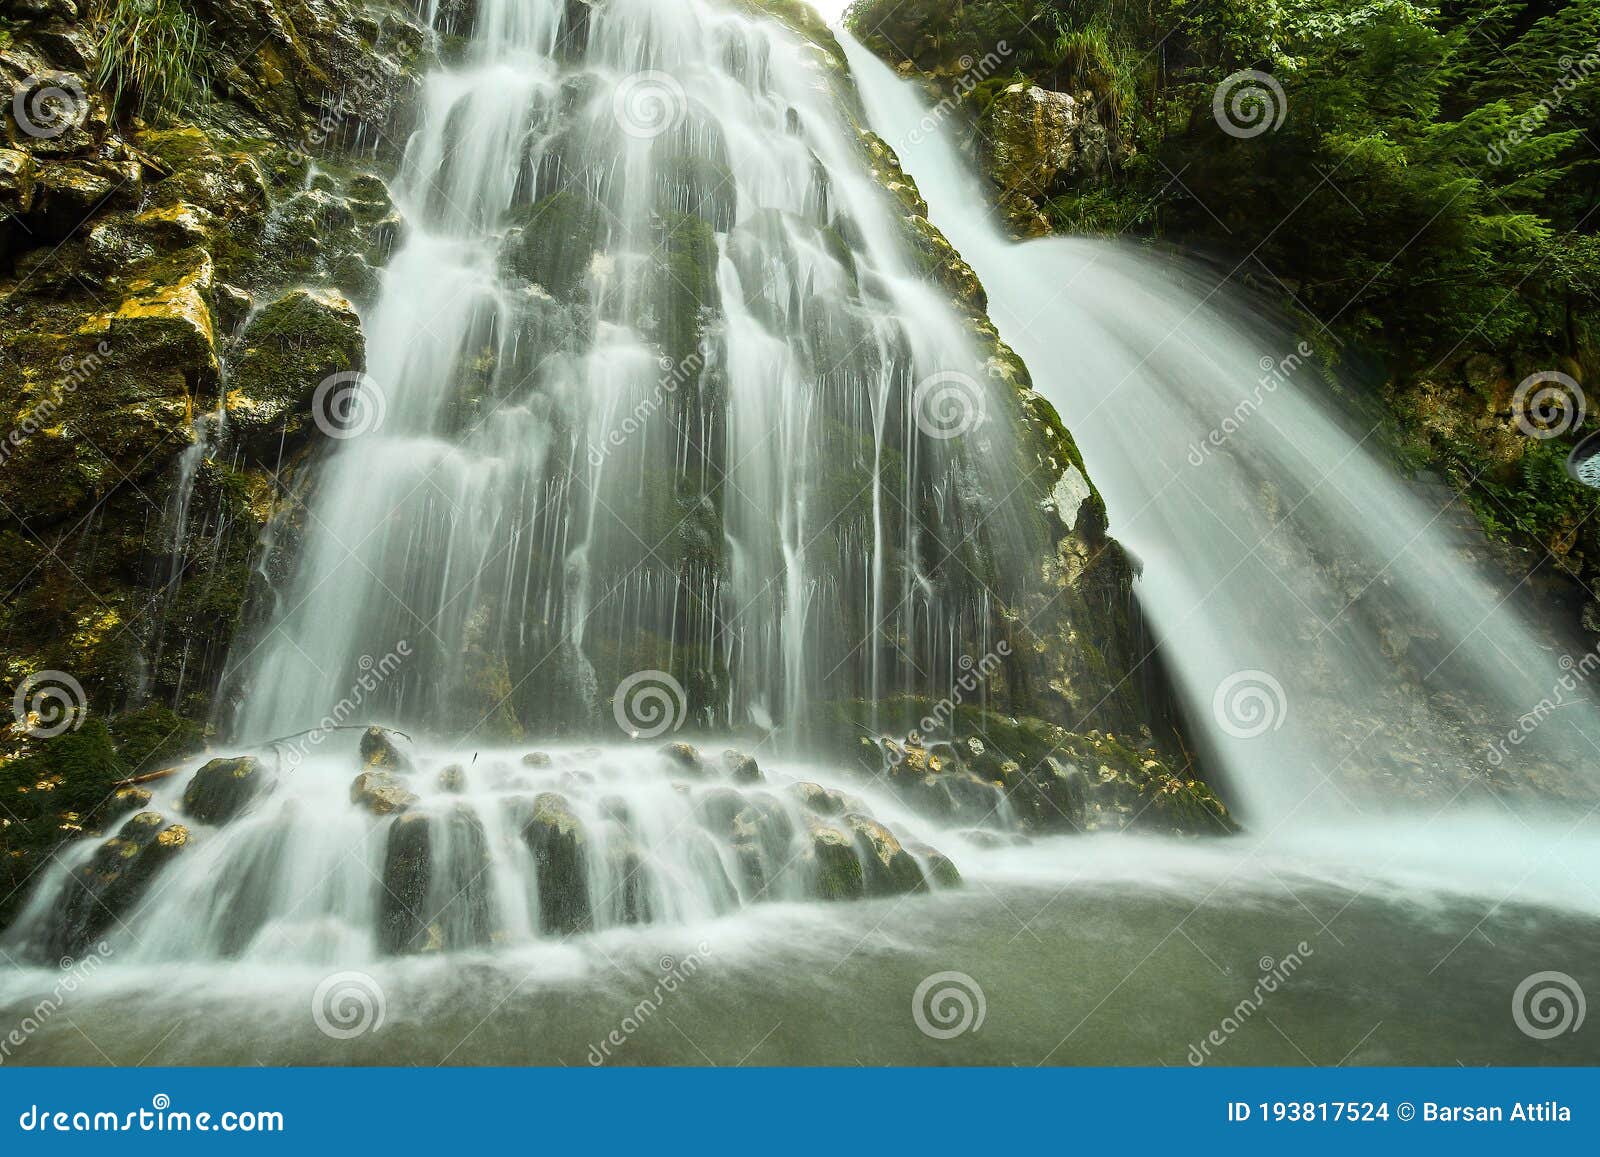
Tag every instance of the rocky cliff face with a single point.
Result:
(173, 292)
(180, 298)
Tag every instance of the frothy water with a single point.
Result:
(1337, 648)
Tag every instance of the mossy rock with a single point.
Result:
(223, 788)
(552, 242)
(407, 873)
(559, 844)
(833, 862)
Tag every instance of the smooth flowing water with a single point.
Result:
(1335, 644)
(640, 398)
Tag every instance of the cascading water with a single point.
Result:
(641, 401)
(641, 381)
(1334, 645)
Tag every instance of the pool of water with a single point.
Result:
(1363, 948)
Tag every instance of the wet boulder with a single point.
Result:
(378, 752)
(287, 351)
(628, 891)
(453, 779)
(684, 759)
(887, 868)
(741, 768)
(537, 759)
(938, 868)
(833, 863)
(382, 793)
(407, 872)
(465, 882)
(823, 801)
(106, 891)
(559, 844)
(223, 788)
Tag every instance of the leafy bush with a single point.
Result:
(148, 55)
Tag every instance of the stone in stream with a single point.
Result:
(106, 890)
(560, 850)
(222, 789)
(938, 867)
(833, 862)
(381, 793)
(887, 868)
(629, 897)
(453, 779)
(125, 802)
(741, 767)
(822, 800)
(378, 752)
(684, 757)
(407, 872)
(537, 759)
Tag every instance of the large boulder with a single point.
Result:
(287, 352)
(222, 789)
(887, 868)
(403, 924)
(106, 890)
(379, 753)
(832, 862)
(560, 847)
(1035, 139)
(382, 793)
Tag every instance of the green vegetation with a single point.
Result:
(1427, 199)
(149, 54)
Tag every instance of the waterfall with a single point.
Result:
(1337, 648)
(639, 398)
